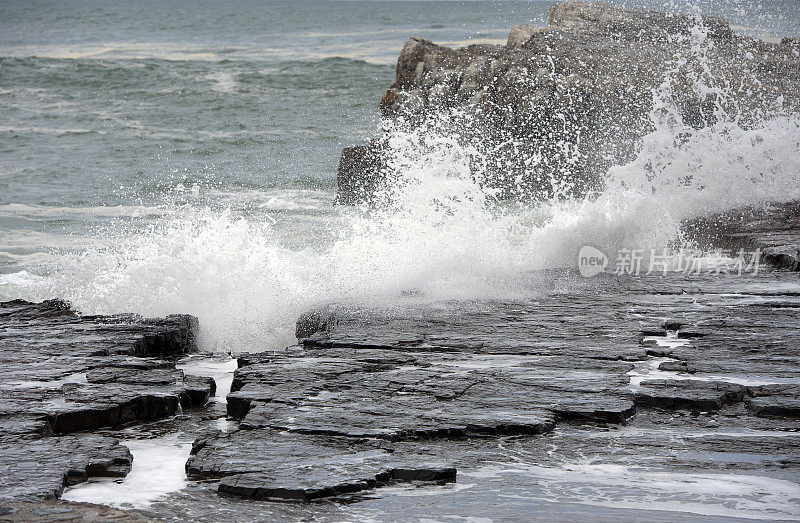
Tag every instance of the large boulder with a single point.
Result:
(556, 106)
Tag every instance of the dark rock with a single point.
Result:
(40, 469)
(422, 474)
(198, 391)
(409, 388)
(384, 396)
(76, 373)
(678, 366)
(775, 389)
(776, 406)
(263, 486)
(134, 376)
(92, 407)
(64, 511)
(688, 394)
(384, 422)
(85, 336)
(24, 426)
(671, 325)
(265, 464)
(776, 400)
(688, 333)
(65, 373)
(575, 95)
(616, 411)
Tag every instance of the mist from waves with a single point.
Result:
(441, 233)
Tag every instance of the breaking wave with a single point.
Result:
(441, 232)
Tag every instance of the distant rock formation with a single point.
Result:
(773, 230)
(558, 105)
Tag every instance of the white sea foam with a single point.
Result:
(124, 50)
(624, 486)
(441, 234)
(49, 212)
(158, 469)
(223, 82)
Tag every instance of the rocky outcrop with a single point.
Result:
(688, 394)
(34, 470)
(552, 109)
(64, 373)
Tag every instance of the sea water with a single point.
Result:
(181, 157)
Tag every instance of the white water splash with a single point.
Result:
(441, 233)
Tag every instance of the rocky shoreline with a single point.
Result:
(419, 384)
(383, 396)
(65, 375)
(620, 395)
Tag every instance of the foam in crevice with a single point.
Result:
(158, 470)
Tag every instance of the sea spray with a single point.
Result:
(440, 231)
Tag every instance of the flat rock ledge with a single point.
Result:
(420, 389)
(65, 512)
(266, 464)
(64, 374)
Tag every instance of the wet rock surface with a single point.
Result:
(582, 369)
(561, 104)
(601, 392)
(64, 373)
(267, 464)
(40, 469)
(51, 511)
(772, 229)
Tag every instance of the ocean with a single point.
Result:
(180, 157)
(162, 157)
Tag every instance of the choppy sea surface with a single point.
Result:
(180, 157)
(161, 157)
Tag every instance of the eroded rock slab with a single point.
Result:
(689, 394)
(650, 378)
(40, 469)
(85, 372)
(268, 464)
(64, 373)
(426, 396)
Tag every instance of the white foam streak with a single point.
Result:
(622, 486)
